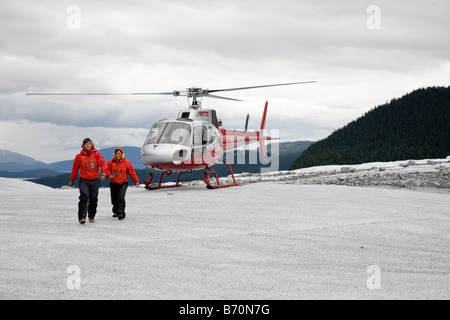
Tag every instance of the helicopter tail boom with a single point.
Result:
(234, 139)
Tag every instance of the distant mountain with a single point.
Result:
(12, 163)
(7, 156)
(61, 166)
(415, 126)
(17, 166)
(37, 173)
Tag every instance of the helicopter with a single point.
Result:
(195, 139)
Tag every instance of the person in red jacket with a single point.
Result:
(117, 171)
(88, 162)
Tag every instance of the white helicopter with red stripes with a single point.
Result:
(195, 139)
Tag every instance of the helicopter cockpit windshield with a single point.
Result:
(171, 133)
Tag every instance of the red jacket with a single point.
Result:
(118, 170)
(88, 163)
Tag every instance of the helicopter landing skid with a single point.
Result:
(154, 186)
(219, 185)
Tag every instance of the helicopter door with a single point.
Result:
(200, 136)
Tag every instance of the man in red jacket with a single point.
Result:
(117, 171)
(88, 162)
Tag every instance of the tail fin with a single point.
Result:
(262, 138)
(263, 120)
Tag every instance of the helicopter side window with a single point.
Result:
(197, 136)
(204, 135)
(211, 135)
(155, 133)
(176, 133)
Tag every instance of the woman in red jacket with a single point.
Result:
(88, 162)
(117, 171)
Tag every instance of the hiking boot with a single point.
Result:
(121, 216)
(91, 220)
(115, 215)
(83, 221)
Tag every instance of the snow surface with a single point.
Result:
(262, 240)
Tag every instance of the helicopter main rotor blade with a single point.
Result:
(219, 97)
(191, 92)
(262, 86)
(175, 93)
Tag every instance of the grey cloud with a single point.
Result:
(157, 46)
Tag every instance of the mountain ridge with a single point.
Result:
(7, 156)
(415, 126)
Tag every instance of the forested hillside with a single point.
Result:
(415, 126)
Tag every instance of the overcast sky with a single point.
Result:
(362, 53)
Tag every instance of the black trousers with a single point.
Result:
(88, 198)
(118, 192)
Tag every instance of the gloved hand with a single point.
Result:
(72, 183)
